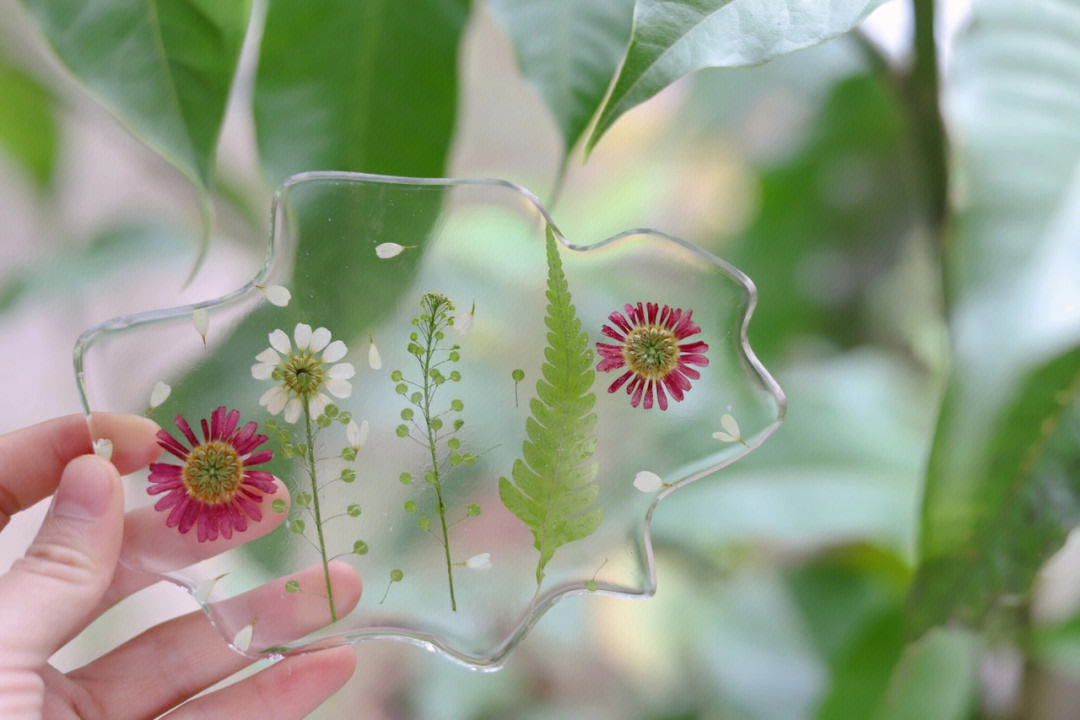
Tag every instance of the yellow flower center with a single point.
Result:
(651, 352)
(212, 472)
(303, 374)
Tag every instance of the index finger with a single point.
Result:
(32, 459)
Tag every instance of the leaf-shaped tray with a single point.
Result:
(427, 387)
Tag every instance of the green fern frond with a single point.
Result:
(553, 484)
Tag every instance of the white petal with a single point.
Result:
(334, 352)
(242, 640)
(479, 562)
(648, 482)
(277, 401)
(729, 424)
(319, 339)
(206, 587)
(159, 394)
(388, 250)
(268, 395)
(268, 356)
(262, 371)
(280, 342)
(352, 434)
(373, 358)
(103, 448)
(293, 410)
(341, 371)
(317, 404)
(463, 323)
(339, 388)
(201, 320)
(278, 295)
(364, 428)
(723, 436)
(302, 335)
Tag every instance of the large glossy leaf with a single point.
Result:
(1012, 106)
(365, 86)
(672, 38)
(569, 50)
(163, 67)
(28, 131)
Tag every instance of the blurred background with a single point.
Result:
(782, 598)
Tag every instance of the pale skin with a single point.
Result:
(70, 575)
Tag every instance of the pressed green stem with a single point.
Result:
(436, 481)
(315, 508)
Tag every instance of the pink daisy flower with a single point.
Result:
(649, 348)
(215, 485)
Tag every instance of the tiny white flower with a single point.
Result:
(479, 562)
(242, 640)
(374, 360)
(463, 323)
(356, 434)
(201, 320)
(103, 448)
(158, 395)
(731, 432)
(388, 250)
(303, 372)
(648, 482)
(276, 294)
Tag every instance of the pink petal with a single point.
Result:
(636, 399)
(694, 347)
(230, 424)
(694, 360)
(262, 480)
(673, 318)
(680, 380)
(202, 522)
(609, 350)
(191, 514)
(165, 486)
(250, 444)
(610, 363)
(186, 429)
(619, 381)
(686, 326)
(177, 512)
(652, 308)
(617, 318)
(165, 470)
(249, 507)
(244, 433)
(239, 522)
(169, 500)
(664, 316)
(672, 384)
(259, 458)
(688, 371)
(661, 398)
(648, 395)
(216, 418)
(612, 333)
(224, 521)
(171, 444)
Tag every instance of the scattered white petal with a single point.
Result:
(293, 410)
(205, 588)
(388, 250)
(302, 335)
(339, 388)
(268, 356)
(341, 371)
(373, 358)
(278, 398)
(278, 295)
(648, 482)
(364, 428)
(159, 394)
(242, 640)
(463, 323)
(479, 562)
(201, 320)
(729, 424)
(103, 448)
(724, 436)
(319, 339)
(352, 434)
(334, 352)
(280, 342)
(317, 404)
(262, 371)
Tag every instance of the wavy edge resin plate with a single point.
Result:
(544, 599)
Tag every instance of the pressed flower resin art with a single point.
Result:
(428, 392)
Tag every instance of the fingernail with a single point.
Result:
(85, 490)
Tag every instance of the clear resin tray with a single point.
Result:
(427, 389)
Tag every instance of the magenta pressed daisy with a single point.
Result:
(215, 486)
(651, 348)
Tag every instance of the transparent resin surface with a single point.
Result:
(427, 388)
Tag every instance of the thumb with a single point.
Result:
(49, 595)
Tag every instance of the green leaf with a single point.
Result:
(28, 127)
(554, 485)
(162, 67)
(1031, 499)
(1015, 244)
(569, 50)
(363, 86)
(672, 38)
(936, 678)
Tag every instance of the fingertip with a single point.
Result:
(89, 488)
(347, 585)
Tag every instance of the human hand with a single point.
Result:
(70, 575)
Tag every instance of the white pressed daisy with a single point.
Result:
(356, 434)
(302, 372)
(648, 482)
(276, 294)
(479, 562)
(388, 250)
(242, 639)
(103, 448)
(374, 359)
(463, 323)
(731, 432)
(201, 320)
(158, 395)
